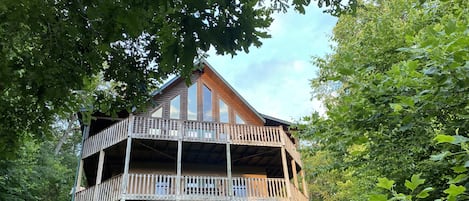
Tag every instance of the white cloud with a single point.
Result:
(274, 78)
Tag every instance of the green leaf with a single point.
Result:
(454, 190)
(444, 138)
(460, 169)
(385, 183)
(396, 107)
(466, 164)
(460, 139)
(440, 156)
(458, 179)
(424, 192)
(450, 26)
(378, 197)
(414, 182)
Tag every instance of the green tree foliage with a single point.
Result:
(37, 173)
(50, 50)
(400, 77)
(54, 53)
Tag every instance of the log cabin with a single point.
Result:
(199, 142)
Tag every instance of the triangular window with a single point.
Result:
(239, 120)
(158, 113)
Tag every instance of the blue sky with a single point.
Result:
(274, 78)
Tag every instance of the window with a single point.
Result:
(162, 188)
(224, 117)
(192, 102)
(239, 120)
(240, 190)
(175, 108)
(207, 104)
(158, 113)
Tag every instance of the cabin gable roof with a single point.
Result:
(222, 90)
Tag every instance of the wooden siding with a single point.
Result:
(230, 97)
(220, 90)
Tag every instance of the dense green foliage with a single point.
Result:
(37, 173)
(51, 49)
(398, 77)
(55, 55)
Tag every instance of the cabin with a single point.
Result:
(198, 142)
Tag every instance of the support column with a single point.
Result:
(228, 164)
(80, 175)
(305, 186)
(179, 162)
(295, 174)
(284, 162)
(125, 176)
(285, 172)
(99, 175)
(79, 172)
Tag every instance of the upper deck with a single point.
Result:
(144, 127)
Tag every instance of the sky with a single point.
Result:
(275, 78)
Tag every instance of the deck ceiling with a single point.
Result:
(160, 151)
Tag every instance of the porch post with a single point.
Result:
(295, 176)
(179, 161)
(285, 172)
(284, 163)
(228, 162)
(99, 175)
(80, 174)
(125, 176)
(305, 186)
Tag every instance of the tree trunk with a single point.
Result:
(67, 133)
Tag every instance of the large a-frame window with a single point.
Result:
(207, 104)
(175, 108)
(201, 102)
(223, 112)
(192, 102)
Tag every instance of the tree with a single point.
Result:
(53, 53)
(51, 49)
(402, 76)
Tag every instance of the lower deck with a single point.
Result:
(170, 187)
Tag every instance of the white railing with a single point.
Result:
(255, 135)
(163, 187)
(106, 138)
(258, 188)
(106, 191)
(155, 128)
(197, 131)
(151, 187)
(166, 129)
(291, 149)
(204, 187)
